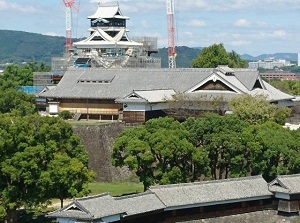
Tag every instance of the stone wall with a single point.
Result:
(98, 141)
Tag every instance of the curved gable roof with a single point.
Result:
(92, 207)
(286, 184)
(107, 12)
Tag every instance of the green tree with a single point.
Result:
(159, 152)
(215, 55)
(15, 76)
(66, 177)
(257, 110)
(19, 103)
(272, 149)
(220, 137)
(38, 157)
(65, 115)
(287, 86)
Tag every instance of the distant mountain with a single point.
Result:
(19, 46)
(184, 57)
(283, 56)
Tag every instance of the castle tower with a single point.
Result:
(108, 44)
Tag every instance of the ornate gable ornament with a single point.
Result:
(215, 82)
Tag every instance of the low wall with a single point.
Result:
(98, 140)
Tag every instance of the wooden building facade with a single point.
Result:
(136, 95)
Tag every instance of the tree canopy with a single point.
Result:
(272, 150)
(288, 86)
(165, 151)
(215, 55)
(40, 158)
(12, 100)
(257, 110)
(220, 138)
(160, 153)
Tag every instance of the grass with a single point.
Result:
(116, 188)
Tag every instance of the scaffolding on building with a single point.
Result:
(149, 43)
(42, 79)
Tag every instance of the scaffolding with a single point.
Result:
(42, 78)
(149, 43)
(59, 65)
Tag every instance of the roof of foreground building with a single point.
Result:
(194, 82)
(105, 208)
(212, 192)
(288, 184)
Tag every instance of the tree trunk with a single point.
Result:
(12, 216)
(61, 202)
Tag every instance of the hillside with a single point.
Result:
(19, 46)
(184, 58)
(285, 56)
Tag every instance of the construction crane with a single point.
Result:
(171, 34)
(69, 5)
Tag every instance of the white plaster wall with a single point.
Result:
(111, 218)
(282, 196)
(145, 107)
(65, 220)
(286, 103)
(53, 108)
(160, 106)
(134, 107)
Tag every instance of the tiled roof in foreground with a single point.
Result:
(176, 196)
(212, 192)
(289, 184)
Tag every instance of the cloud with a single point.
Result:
(196, 23)
(268, 35)
(262, 24)
(145, 24)
(239, 43)
(14, 7)
(279, 33)
(232, 5)
(242, 23)
(188, 34)
(50, 34)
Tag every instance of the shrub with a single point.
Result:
(65, 115)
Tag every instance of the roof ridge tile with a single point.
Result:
(206, 182)
(93, 196)
(134, 195)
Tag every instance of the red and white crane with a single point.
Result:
(171, 34)
(69, 5)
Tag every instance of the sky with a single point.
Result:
(246, 26)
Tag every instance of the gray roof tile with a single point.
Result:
(92, 207)
(289, 184)
(118, 83)
(140, 203)
(209, 192)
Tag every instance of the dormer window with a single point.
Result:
(225, 70)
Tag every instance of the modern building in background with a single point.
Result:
(280, 75)
(269, 63)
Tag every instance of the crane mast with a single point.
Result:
(69, 4)
(171, 34)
